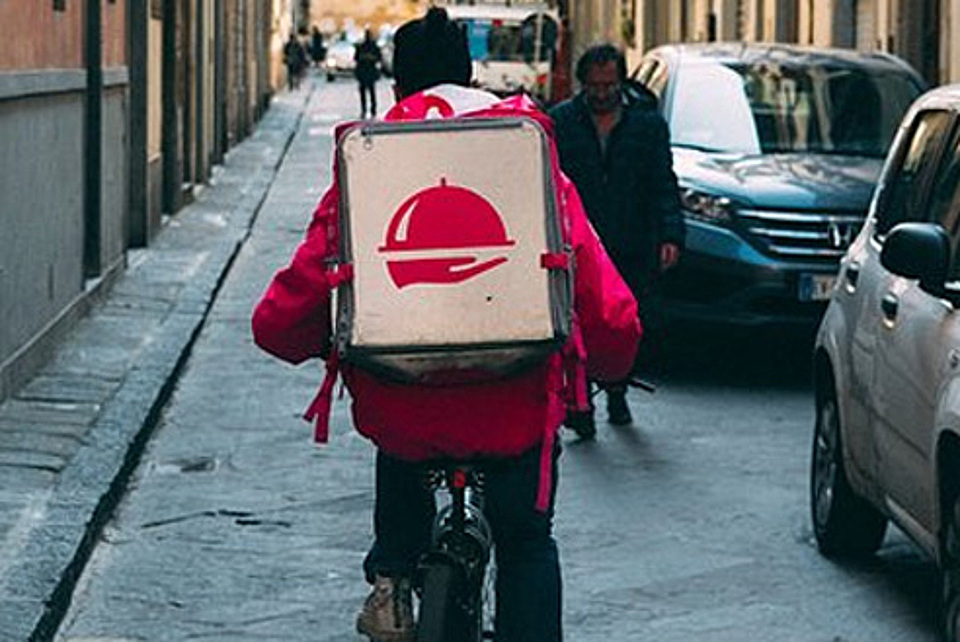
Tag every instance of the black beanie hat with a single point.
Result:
(430, 51)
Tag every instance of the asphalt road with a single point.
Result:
(691, 524)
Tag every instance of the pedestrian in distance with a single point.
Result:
(368, 60)
(295, 58)
(513, 420)
(318, 50)
(615, 146)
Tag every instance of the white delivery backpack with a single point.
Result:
(450, 232)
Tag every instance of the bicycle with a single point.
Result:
(454, 579)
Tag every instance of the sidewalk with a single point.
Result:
(71, 437)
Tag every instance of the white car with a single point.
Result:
(340, 59)
(887, 361)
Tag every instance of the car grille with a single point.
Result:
(811, 236)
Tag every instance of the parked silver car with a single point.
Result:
(887, 361)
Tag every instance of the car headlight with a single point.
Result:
(705, 207)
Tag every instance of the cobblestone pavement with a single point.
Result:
(68, 437)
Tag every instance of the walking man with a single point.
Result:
(368, 61)
(616, 150)
(295, 58)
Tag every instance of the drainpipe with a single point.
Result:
(93, 139)
(200, 98)
(170, 138)
(140, 226)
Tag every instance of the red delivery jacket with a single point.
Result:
(497, 418)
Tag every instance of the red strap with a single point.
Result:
(574, 361)
(319, 408)
(545, 486)
(552, 420)
(555, 261)
(339, 275)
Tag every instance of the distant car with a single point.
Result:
(776, 149)
(340, 61)
(887, 361)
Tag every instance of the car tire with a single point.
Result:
(331, 77)
(844, 524)
(950, 575)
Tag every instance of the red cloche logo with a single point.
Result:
(454, 221)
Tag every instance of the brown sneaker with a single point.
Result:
(387, 614)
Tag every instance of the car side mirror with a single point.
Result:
(919, 251)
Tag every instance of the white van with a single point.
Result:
(512, 47)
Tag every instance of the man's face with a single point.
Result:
(602, 87)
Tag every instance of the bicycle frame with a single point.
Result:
(451, 573)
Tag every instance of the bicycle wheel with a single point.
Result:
(441, 618)
(488, 603)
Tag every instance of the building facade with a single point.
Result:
(112, 114)
(920, 31)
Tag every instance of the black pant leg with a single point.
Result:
(363, 99)
(403, 518)
(529, 585)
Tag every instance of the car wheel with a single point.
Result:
(330, 77)
(844, 524)
(950, 575)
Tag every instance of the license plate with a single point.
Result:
(816, 287)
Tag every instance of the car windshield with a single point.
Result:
(494, 40)
(771, 107)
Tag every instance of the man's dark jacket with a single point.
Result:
(367, 56)
(630, 192)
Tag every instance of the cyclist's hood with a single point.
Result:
(450, 101)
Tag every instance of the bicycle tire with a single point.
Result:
(488, 614)
(440, 618)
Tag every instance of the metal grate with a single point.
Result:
(815, 236)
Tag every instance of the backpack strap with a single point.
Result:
(337, 276)
(574, 367)
(319, 408)
(545, 484)
(555, 261)
(555, 385)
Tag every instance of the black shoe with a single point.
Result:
(618, 413)
(582, 423)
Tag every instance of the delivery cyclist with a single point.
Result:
(514, 419)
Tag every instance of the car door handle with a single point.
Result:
(890, 304)
(852, 274)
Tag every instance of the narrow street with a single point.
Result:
(690, 525)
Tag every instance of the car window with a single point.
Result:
(944, 203)
(657, 80)
(769, 106)
(722, 123)
(493, 40)
(902, 199)
(642, 73)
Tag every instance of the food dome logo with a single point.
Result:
(455, 233)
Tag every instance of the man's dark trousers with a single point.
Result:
(368, 89)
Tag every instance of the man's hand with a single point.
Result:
(669, 255)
